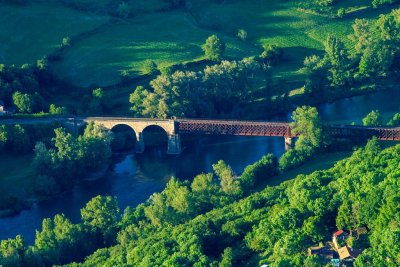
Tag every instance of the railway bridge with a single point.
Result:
(175, 127)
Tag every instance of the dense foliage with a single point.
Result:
(218, 89)
(69, 157)
(372, 60)
(21, 139)
(204, 224)
(311, 137)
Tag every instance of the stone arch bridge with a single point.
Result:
(174, 128)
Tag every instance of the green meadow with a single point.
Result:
(165, 36)
(168, 39)
(44, 25)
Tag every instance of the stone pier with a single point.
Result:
(139, 143)
(174, 144)
(289, 143)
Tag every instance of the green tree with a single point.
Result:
(12, 252)
(395, 121)
(150, 67)
(95, 146)
(20, 140)
(137, 100)
(372, 119)
(361, 35)
(316, 72)
(336, 54)
(101, 213)
(341, 12)
(313, 261)
(97, 101)
(242, 34)
(229, 184)
(266, 167)
(227, 258)
(214, 48)
(272, 54)
(377, 3)
(53, 109)
(308, 126)
(60, 241)
(3, 136)
(23, 102)
(205, 192)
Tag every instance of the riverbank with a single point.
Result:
(266, 110)
(18, 182)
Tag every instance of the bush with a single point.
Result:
(377, 3)
(150, 67)
(372, 119)
(395, 121)
(292, 159)
(272, 54)
(341, 12)
(242, 34)
(214, 48)
(57, 110)
(66, 41)
(265, 168)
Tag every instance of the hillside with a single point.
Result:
(102, 45)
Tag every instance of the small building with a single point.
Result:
(347, 254)
(325, 252)
(4, 110)
(339, 237)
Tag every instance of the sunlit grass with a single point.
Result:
(29, 32)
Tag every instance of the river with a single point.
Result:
(133, 178)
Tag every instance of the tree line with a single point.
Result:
(218, 89)
(373, 60)
(216, 220)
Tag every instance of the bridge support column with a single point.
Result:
(289, 143)
(139, 143)
(174, 144)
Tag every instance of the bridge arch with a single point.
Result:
(125, 137)
(139, 126)
(155, 136)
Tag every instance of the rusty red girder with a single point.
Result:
(227, 127)
(382, 133)
(262, 128)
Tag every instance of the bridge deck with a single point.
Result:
(224, 127)
(234, 127)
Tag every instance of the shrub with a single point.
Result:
(242, 34)
(341, 12)
(150, 67)
(372, 119)
(272, 54)
(214, 48)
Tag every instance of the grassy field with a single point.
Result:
(320, 162)
(17, 177)
(28, 33)
(166, 36)
(167, 39)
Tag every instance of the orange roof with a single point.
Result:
(338, 233)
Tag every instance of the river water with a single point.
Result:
(133, 178)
